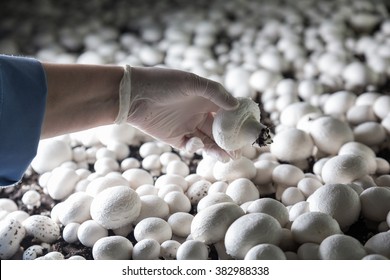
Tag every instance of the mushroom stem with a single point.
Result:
(255, 132)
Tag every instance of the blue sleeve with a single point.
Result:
(23, 91)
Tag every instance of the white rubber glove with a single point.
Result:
(175, 107)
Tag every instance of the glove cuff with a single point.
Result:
(124, 96)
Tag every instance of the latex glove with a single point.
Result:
(175, 107)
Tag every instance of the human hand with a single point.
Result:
(177, 107)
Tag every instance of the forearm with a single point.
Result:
(80, 97)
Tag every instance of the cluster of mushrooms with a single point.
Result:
(320, 72)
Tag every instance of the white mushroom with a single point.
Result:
(265, 252)
(341, 247)
(212, 199)
(375, 203)
(379, 244)
(287, 175)
(314, 227)
(69, 233)
(31, 199)
(292, 145)
(308, 251)
(337, 200)
(89, 232)
(211, 224)
(360, 149)
(236, 128)
(146, 249)
(192, 250)
(291, 114)
(99, 184)
(76, 208)
(138, 177)
(250, 230)
(50, 154)
(177, 202)
(370, 133)
(197, 191)
(344, 169)
(242, 190)
(153, 228)
(234, 169)
(152, 206)
(112, 248)
(169, 249)
(329, 134)
(271, 207)
(180, 223)
(62, 182)
(116, 207)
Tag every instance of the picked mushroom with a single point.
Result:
(234, 129)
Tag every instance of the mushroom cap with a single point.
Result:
(146, 249)
(337, 200)
(291, 145)
(265, 252)
(341, 247)
(362, 150)
(211, 224)
(329, 134)
(50, 154)
(89, 232)
(314, 227)
(375, 203)
(112, 248)
(234, 169)
(11, 234)
(212, 199)
(152, 206)
(249, 231)
(227, 124)
(153, 228)
(180, 223)
(116, 207)
(379, 244)
(169, 249)
(242, 190)
(76, 208)
(271, 207)
(42, 228)
(192, 250)
(343, 169)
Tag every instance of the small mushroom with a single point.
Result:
(192, 250)
(234, 169)
(291, 145)
(236, 128)
(329, 134)
(152, 206)
(212, 199)
(50, 154)
(116, 207)
(177, 202)
(314, 227)
(271, 207)
(138, 177)
(12, 233)
(180, 223)
(265, 252)
(153, 228)
(89, 232)
(337, 200)
(308, 251)
(341, 247)
(33, 252)
(169, 249)
(375, 203)
(69, 233)
(379, 244)
(343, 169)
(242, 190)
(250, 230)
(112, 248)
(62, 182)
(42, 228)
(76, 208)
(146, 249)
(211, 224)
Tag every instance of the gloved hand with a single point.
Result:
(175, 107)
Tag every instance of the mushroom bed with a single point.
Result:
(319, 71)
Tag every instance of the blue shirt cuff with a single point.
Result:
(23, 91)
